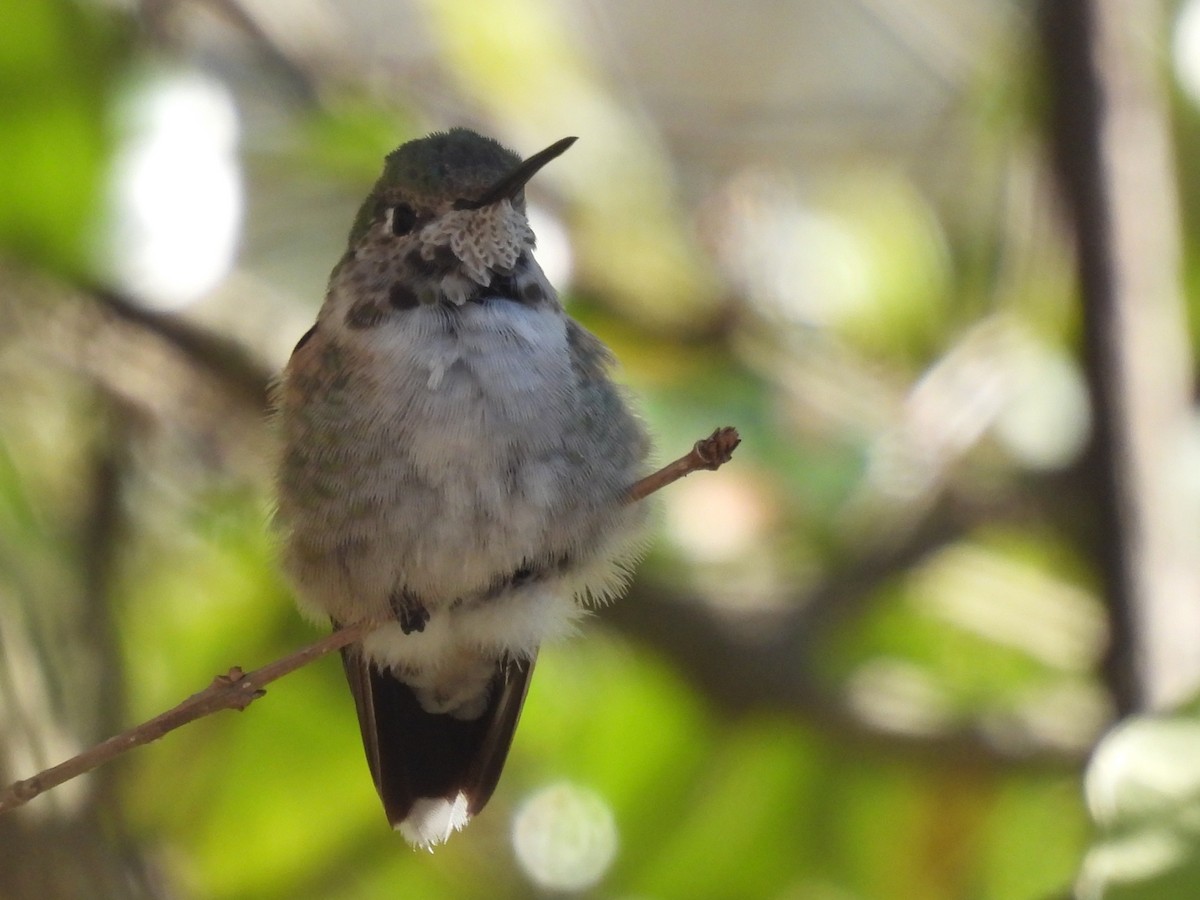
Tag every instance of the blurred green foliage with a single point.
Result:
(58, 62)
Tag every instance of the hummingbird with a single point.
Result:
(455, 465)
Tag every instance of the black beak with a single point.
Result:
(508, 186)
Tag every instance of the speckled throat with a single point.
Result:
(464, 256)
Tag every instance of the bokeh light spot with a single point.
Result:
(565, 837)
(176, 196)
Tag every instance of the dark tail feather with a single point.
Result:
(421, 761)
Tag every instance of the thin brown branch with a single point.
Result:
(233, 690)
(710, 453)
(237, 689)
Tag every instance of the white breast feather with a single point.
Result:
(476, 413)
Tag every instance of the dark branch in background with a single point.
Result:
(104, 529)
(741, 670)
(1110, 143)
(1068, 32)
(219, 358)
(765, 661)
(165, 24)
(237, 689)
(58, 681)
(303, 83)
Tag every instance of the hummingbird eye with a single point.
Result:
(404, 219)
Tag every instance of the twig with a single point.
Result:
(233, 690)
(710, 453)
(237, 689)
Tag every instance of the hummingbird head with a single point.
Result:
(462, 168)
(453, 205)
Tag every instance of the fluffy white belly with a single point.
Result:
(438, 458)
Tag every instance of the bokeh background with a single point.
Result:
(934, 633)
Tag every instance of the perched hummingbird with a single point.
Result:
(455, 464)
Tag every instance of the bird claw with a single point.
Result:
(409, 612)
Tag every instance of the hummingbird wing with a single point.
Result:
(433, 771)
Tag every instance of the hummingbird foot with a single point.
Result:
(409, 611)
(525, 574)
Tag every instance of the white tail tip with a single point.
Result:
(432, 820)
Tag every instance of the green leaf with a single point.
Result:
(58, 62)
